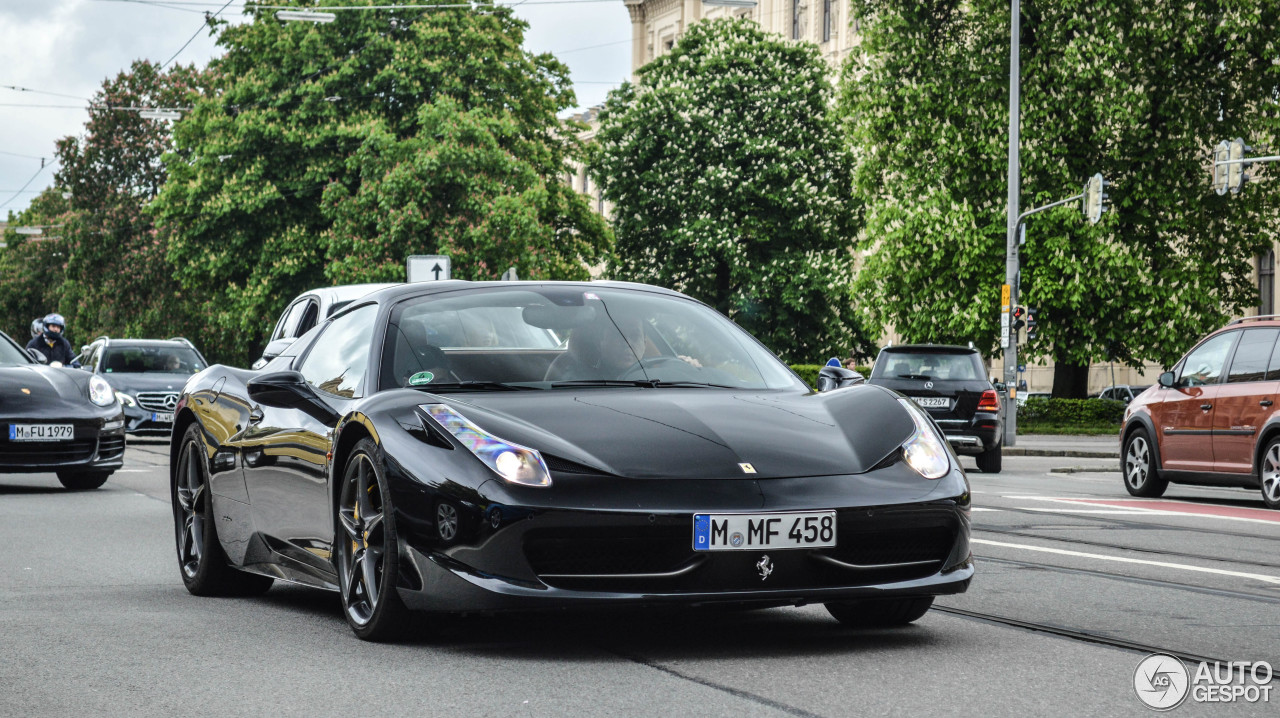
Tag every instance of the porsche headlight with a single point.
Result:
(515, 463)
(925, 451)
(126, 399)
(100, 392)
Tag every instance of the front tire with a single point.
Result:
(1269, 472)
(879, 613)
(367, 548)
(204, 566)
(1141, 478)
(83, 480)
(989, 461)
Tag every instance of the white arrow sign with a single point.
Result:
(428, 268)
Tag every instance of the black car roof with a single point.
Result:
(147, 343)
(419, 289)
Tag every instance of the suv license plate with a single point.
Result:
(932, 402)
(41, 432)
(162, 418)
(742, 532)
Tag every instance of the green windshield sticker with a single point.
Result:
(422, 377)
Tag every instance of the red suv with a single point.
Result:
(1213, 419)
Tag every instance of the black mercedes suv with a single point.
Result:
(147, 375)
(950, 382)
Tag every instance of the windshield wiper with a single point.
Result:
(923, 377)
(477, 385)
(694, 384)
(647, 383)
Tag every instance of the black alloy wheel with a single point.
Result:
(1138, 464)
(1269, 472)
(204, 567)
(879, 613)
(82, 480)
(367, 553)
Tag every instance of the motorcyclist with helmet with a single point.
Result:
(52, 344)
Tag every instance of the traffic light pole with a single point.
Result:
(1009, 340)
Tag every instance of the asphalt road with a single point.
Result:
(1075, 585)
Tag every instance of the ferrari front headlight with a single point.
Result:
(925, 451)
(513, 462)
(100, 392)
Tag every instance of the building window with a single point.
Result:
(1267, 283)
(795, 19)
(826, 20)
(600, 205)
(586, 183)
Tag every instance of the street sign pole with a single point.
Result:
(1009, 337)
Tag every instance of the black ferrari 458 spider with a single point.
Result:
(472, 447)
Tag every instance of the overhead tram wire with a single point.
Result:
(17, 88)
(208, 19)
(28, 184)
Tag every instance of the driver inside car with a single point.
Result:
(598, 350)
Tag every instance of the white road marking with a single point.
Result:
(1130, 512)
(1133, 510)
(983, 508)
(1122, 559)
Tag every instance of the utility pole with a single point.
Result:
(1008, 294)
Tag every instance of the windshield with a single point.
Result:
(557, 337)
(10, 354)
(936, 366)
(150, 360)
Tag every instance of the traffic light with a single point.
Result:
(1221, 154)
(1031, 323)
(1019, 317)
(1235, 171)
(1095, 198)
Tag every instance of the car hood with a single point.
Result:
(44, 387)
(695, 433)
(135, 382)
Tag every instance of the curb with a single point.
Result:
(1085, 469)
(1074, 453)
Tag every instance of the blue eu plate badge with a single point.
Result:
(701, 532)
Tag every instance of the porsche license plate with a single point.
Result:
(932, 402)
(741, 532)
(162, 418)
(41, 432)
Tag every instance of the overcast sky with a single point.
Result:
(69, 47)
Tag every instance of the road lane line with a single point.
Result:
(1172, 507)
(983, 508)
(1122, 559)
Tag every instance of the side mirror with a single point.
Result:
(288, 390)
(1166, 380)
(836, 377)
(38, 356)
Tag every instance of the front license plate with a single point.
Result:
(162, 418)
(41, 432)
(741, 532)
(932, 402)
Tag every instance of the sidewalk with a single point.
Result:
(1091, 447)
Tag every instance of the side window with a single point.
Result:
(337, 362)
(1250, 361)
(95, 353)
(289, 325)
(1204, 365)
(310, 312)
(1106, 394)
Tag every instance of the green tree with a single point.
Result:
(730, 182)
(117, 280)
(330, 152)
(32, 268)
(1138, 91)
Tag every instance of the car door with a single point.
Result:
(1244, 401)
(1185, 413)
(286, 450)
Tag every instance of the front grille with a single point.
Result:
(45, 453)
(109, 447)
(640, 549)
(156, 400)
(905, 545)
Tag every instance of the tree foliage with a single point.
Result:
(31, 268)
(117, 281)
(730, 182)
(327, 153)
(1138, 91)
